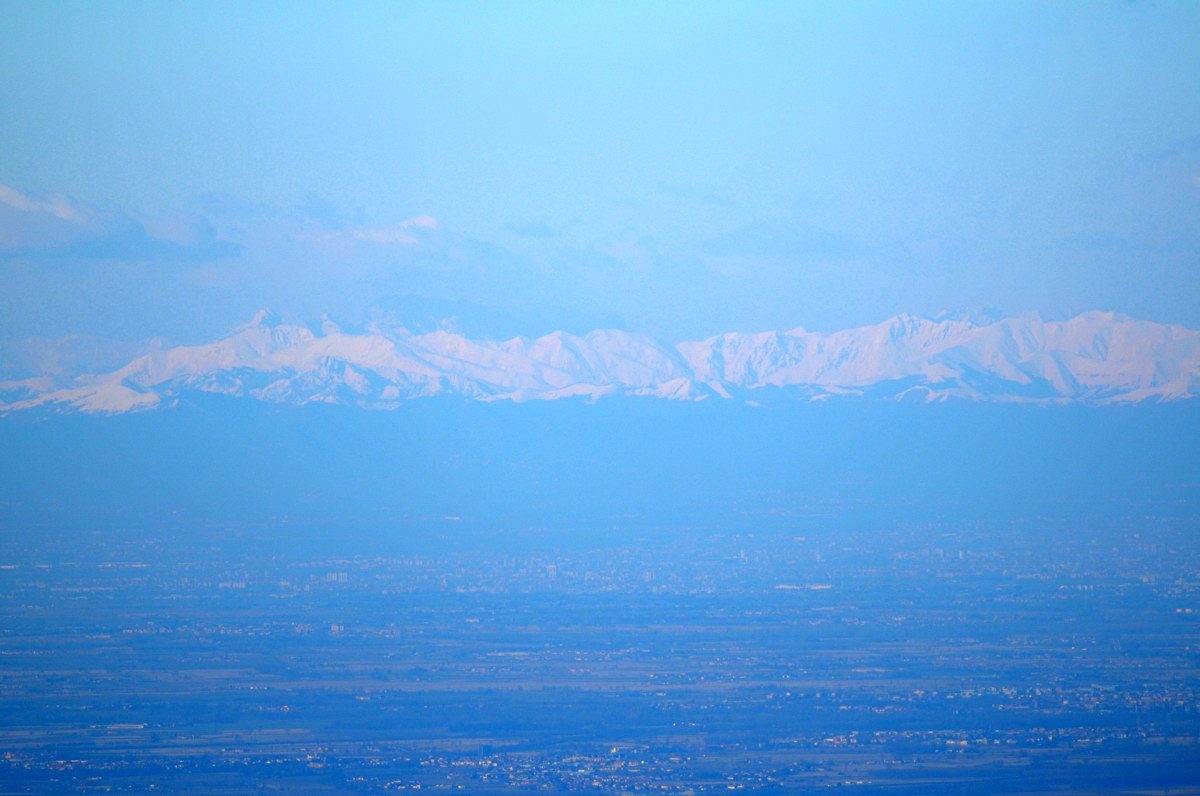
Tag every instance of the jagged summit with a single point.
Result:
(1093, 358)
(976, 316)
(326, 326)
(265, 318)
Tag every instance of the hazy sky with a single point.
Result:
(680, 168)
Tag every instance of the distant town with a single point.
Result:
(921, 659)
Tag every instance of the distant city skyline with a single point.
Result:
(674, 171)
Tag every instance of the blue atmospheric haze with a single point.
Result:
(676, 169)
(223, 594)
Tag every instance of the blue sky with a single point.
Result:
(678, 169)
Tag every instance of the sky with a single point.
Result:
(677, 169)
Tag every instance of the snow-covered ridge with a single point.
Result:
(1095, 358)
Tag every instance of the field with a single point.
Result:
(923, 659)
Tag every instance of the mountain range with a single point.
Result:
(1095, 358)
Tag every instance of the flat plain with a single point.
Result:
(928, 659)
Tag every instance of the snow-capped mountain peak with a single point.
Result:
(1095, 358)
(264, 318)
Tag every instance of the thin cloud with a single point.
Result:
(402, 233)
(59, 227)
(782, 243)
(532, 230)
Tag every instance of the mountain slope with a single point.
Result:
(1095, 358)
